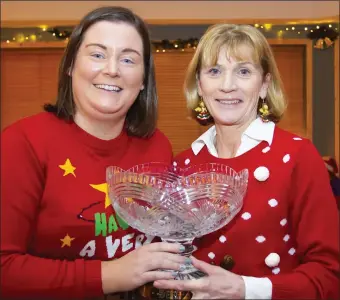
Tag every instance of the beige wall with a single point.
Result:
(74, 10)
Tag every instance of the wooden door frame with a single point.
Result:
(336, 103)
(308, 77)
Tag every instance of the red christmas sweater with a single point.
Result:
(57, 224)
(292, 213)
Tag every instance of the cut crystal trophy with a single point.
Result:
(175, 204)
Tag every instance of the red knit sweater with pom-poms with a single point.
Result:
(292, 213)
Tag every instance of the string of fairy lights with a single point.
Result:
(297, 28)
(324, 35)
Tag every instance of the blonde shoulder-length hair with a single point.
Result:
(232, 37)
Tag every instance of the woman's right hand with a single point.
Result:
(142, 266)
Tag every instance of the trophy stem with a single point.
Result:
(187, 244)
(190, 272)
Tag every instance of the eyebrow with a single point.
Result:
(125, 50)
(96, 45)
(242, 63)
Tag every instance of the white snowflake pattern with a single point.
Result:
(291, 251)
(286, 237)
(286, 158)
(222, 239)
(260, 239)
(246, 216)
(272, 202)
(265, 150)
(283, 222)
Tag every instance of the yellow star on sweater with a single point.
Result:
(68, 168)
(102, 188)
(66, 241)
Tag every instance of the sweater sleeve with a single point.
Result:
(23, 275)
(314, 223)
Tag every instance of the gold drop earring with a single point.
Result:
(264, 111)
(202, 113)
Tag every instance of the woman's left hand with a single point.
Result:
(218, 284)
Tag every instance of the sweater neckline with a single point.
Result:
(103, 146)
(249, 155)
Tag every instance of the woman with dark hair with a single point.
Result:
(60, 237)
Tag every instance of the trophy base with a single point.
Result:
(149, 292)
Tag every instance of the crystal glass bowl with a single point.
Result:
(176, 204)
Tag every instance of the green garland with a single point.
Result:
(158, 45)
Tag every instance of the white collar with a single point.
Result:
(257, 130)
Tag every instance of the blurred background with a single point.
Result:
(303, 34)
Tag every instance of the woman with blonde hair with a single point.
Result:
(284, 243)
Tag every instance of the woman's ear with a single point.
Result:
(198, 84)
(265, 85)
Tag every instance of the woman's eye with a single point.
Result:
(97, 55)
(244, 72)
(127, 61)
(213, 71)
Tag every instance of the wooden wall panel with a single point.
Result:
(29, 79)
(291, 64)
(49, 63)
(174, 118)
(20, 85)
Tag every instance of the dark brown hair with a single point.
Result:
(142, 116)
